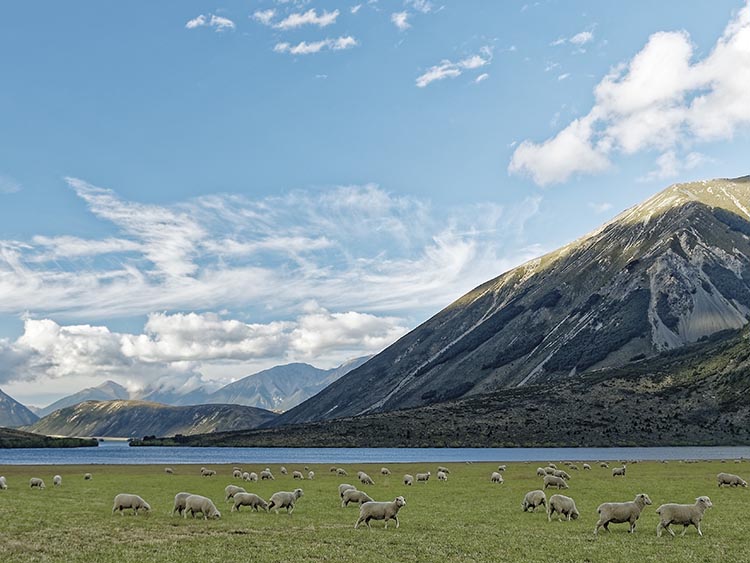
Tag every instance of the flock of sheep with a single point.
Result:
(564, 507)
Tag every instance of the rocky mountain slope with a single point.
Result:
(140, 418)
(107, 391)
(12, 438)
(13, 413)
(661, 275)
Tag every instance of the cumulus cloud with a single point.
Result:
(401, 20)
(449, 69)
(305, 48)
(662, 100)
(264, 16)
(219, 23)
(311, 17)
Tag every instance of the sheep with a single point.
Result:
(333, 469)
(604, 464)
(534, 499)
(552, 465)
(496, 478)
(586, 467)
(283, 470)
(443, 469)
(246, 476)
(540, 472)
(311, 475)
(385, 471)
(561, 473)
(549, 470)
(204, 505)
(297, 475)
(731, 480)
(574, 467)
(266, 475)
(284, 499)
(343, 487)
(179, 503)
(442, 476)
(57, 481)
(249, 499)
(235, 468)
(124, 501)
(618, 471)
(36, 483)
(684, 514)
(341, 471)
(3, 483)
(87, 476)
(620, 512)
(423, 476)
(237, 474)
(365, 479)
(408, 480)
(169, 471)
(380, 511)
(231, 490)
(306, 468)
(207, 472)
(252, 477)
(502, 467)
(564, 506)
(353, 495)
(552, 481)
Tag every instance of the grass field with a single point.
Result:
(464, 519)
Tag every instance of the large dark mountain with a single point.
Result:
(661, 275)
(107, 391)
(13, 413)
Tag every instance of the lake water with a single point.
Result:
(118, 452)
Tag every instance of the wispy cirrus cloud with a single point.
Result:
(449, 69)
(308, 48)
(310, 17)
(218, 23)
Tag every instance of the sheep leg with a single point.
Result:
(684, 529)
(698, 526)
(670, 530)
(290, 509)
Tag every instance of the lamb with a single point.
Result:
(284, 499)
(496, 478)
(123, 501)
(423, 476)
(380, 511)
(87, 476)
(283, 470)
(36, 483)
(620, 512)
(343, 487)
(3, 483)
(552, 481)
(365, 479)
(586, 467)
(169, 471)
(385, 471)
(442, 476)
(249, 499)
(443, 469)
(341, 471)
(252, 477)
(564, 506)
(311, 475)
(237, 474)
(561, 473)
(684, 514)
(266, 475)
(207, 472)
(731, 480)
(353, 495)
(179, 503)
(231, 490)
(57, 481)
(408, 480)
(297, 475)
(540, 472)
(618, 471)
(204, 505)
(501, 467)
(533, 499)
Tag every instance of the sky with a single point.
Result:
(192, 191)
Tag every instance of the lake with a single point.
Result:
(118, 452)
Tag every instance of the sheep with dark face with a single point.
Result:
(380, 511)
(685, 514)
(621, 512)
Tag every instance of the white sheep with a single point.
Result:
(540, 472)
(443, 469)
(353, 495)
(365, 479)
(549, 470)
(442, 476)
(87, 476)
(249, 499)
(36, 483)
(237, 474)
(343, 487)
(311, 475)
(57, 480)
(552, 481)
(179, 503)
(123, 501)
(552, 465)
(297, 475)
(423, 476)
(574, 467)
(561, 473)
(169, 471)
(385, 471)
(3, 483)
(252, 477)
(341, 471)
(231, 490)
(380, 511)
(408, 480)
(564, 506)
(496, 478)
(284, 499)
(534, 499)
(685, 514)
(619, 471)
(502, 467)
(266, 475)
(604, 464)
(245, 476)
(620, 512)
(586, 467)
(197, 503)
(731, 480)
(283, 470)
(207, 472)
(333, 469)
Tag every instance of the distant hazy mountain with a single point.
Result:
(13, 413)
(107, 391)
(140, 418)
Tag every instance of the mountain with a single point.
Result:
(107, 391)
(141, 418)
(12, 438)
(661, 275)
(13, 413)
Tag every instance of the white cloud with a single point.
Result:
(563, 76)
(669, 165)
(481, 78)
(424, 6)
(305, 48)
(582, 38)
(400, 20)
(264, 16)
(199, 21)
(8, 185)
(355, 9)
(661, 100)
(311, 17)
(449, 69)
(219, 23)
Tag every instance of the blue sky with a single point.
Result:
(192, 191)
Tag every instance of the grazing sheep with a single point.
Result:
(87, 476)
(36, 483)
(552, 465)
(549, 470)
(423, 476)
(179, 503)
(123, 501)
(3, 483)
(365, 479)
(552, 481)
(353, 495)
(283, 470)
(306, 468)
(684, 514)
(380, 511)
(169, 471)
(231, 490)
(333, 469)
(408, 480)
(385, 471)
(207, 472)
(564, 506)
(253, 476)
(574, 467)
(618, 471)
(442, 476)
(237, 474)
(249, 499)
(604, 464)
(443, 469)
(501, 467)
(561, 473)
(620, 512)
(297, 475)
(341, 471)
(266, 475)
(343, 487)
(246, 476)
(586, 467)
(540, 472)
(533, 499)
(496, 478)
(57, 481)
(311, 475)
(197, 503)
(284, 499)
(731, 480)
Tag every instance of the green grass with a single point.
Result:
(465, 519)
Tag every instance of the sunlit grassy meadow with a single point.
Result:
(464, 519)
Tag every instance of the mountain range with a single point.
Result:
(13, 413)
